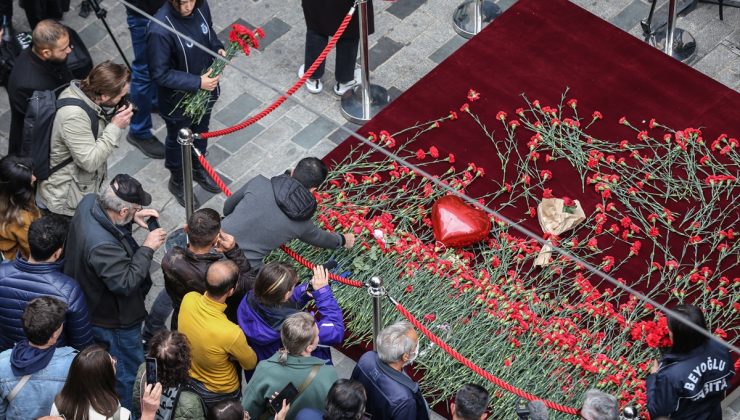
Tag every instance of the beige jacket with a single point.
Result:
(71, 136)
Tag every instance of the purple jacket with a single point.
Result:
(265, 340)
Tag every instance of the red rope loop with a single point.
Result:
(212, 173)
(308, 264)
(244, 124)
(432, 337)
(477, 369)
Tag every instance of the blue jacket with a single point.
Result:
(266, 341)
(691, 385)
(391, 394)
(36, 397)
(21, 282)
(176, 64)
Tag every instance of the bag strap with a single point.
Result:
(17, 388)
(94, 125)
(311, 376)
(309, 379)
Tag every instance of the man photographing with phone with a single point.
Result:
(82, 146)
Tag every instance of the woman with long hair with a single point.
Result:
(90, 390)
(171, 349)
(693, 376)
(277, 295)
(17, 206)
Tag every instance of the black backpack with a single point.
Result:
(38, 124)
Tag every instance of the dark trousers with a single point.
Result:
(172, 149)
(143, 91)
(346, 55)
(6, 9)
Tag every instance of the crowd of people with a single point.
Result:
(76, 339)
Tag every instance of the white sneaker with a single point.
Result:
(313, 85)
(340, 88)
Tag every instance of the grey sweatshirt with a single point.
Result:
(254, 215)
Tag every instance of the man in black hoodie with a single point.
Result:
(266, 213)
(41, 67)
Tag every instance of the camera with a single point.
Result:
(123, 103)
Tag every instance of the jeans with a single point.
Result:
(143, 91)
(212, 398)
(161, 309)
(172, 153)
(125, 346)
(346, 55)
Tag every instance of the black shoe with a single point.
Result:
(150, 147)
(176, 188)
(204, 180)
(85, 9)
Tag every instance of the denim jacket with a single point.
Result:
(36, 397)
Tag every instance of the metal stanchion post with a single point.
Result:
(470, 17)
(676, 42)
(377, 291)
(185, 138)
(364, 101)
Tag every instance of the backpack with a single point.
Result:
(37, 126)
(9, 50)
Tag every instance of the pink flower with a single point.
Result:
(433, 152)
(545, 174)
(473, 95)
(420, 154)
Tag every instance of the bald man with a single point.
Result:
(215, 341)
(41, 67)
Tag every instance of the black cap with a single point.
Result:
(130, 190)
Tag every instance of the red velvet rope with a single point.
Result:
(433, 338)
(309, 264)
(477, 369)
(244, 124)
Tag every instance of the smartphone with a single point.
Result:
(151, 370)
(288, 393)
(152, 223)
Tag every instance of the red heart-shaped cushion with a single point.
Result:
(456, 224)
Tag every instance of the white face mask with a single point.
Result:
(412, 356)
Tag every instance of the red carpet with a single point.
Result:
(540, 48)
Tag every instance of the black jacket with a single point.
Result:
(325, 16)
(21, 282)
(176, 64)
(30, 73)
(692, 385)
(114, 276)
(185, 272)
(391, 395)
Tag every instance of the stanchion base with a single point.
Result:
(352, 108)
(177, 237)
(463, 20)
(684, 44)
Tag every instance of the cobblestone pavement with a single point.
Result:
(410, 39)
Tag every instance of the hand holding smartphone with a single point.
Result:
(151, 370)
(152, 223)
(288, 394)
